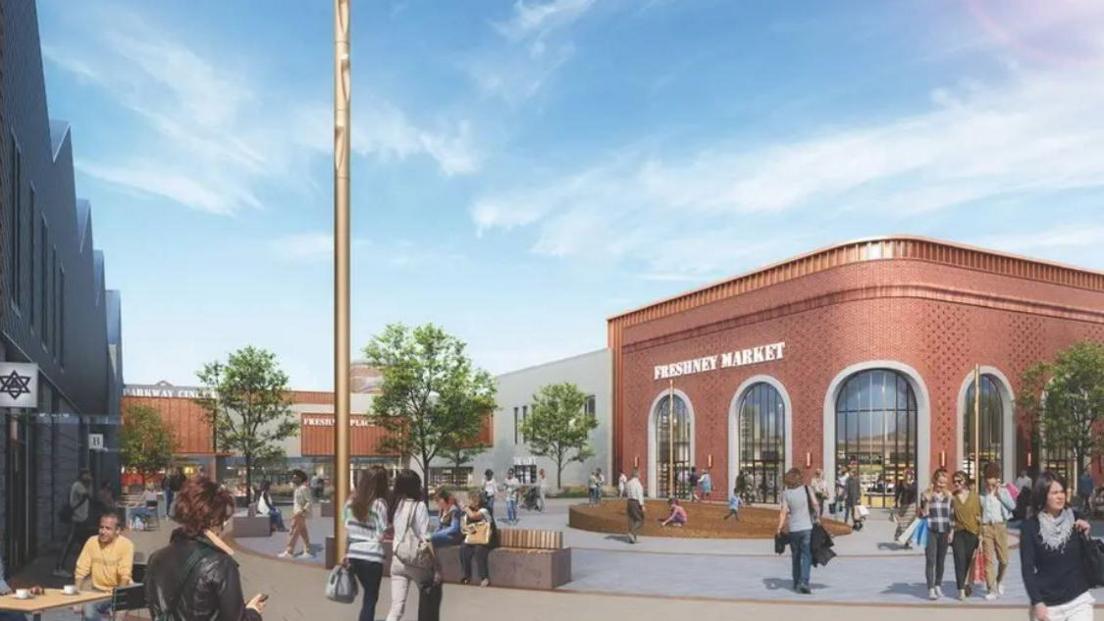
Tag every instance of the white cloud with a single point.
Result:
(1059, 237)
(537, 19)
(1037, 133)
(209, 140)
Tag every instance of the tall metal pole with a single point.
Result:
(342, 80)
(977, 424)
(671, 439)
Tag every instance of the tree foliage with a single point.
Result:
(432, 400)
(1063, 400)
(246, 402)
(559, 427)
(145, 441)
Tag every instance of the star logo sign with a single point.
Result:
(15, 385)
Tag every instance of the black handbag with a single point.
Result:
(1093, 556)
(780, 541)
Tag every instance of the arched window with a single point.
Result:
(762, 436)
(672, 428)
(876, 429)
(990, 428)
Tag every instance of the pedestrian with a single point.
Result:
(692, 481)
(195, 576)
(108, 559)
(542, 489)
(1085, 490)
(366, 522)
(796, 517)
(1052, 563)
(1024, 482)
(265, 506)
(475, 513)
(77, 512)
(592, 487)
(634, 508)
(7, 590)
(176, 481)
(409, 514)
(935, 506)
(966, 515)
(601, 485)
(706, 484)
(820, 489)
(854, 497)
(511, 486)
(490, 488)
(906, 505)
(734, 502)
(449, 527)
(677, 515)
(841, 494)
(300, 512)
(996, 509)
(621, 481)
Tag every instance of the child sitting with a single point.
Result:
(677, 517)
(734, 503)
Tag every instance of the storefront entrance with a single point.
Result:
(19, 538)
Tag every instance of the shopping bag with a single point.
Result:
(341, 586)
(1012, 491)
(862, 511)
(979, 566)
(906, 534)
(921, 534)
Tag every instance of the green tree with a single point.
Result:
(246, 402)
(432, 397)
(145, 441)
(1064, 401)
(558, 426)
(270, 460)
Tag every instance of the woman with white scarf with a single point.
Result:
(1052, 557)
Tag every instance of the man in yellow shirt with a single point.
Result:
(108, 559)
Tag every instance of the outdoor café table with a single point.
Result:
(53, 599)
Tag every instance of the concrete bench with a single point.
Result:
(524, 559)
(255, 526)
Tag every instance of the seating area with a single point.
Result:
(524, 559)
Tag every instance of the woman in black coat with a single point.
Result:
(195, 577)
(1052, 556)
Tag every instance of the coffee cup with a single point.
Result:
(70, 589)
(22, 594)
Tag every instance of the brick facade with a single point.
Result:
(931, 307)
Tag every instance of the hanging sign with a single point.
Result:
(18, 385)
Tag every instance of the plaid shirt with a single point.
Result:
(939, 513)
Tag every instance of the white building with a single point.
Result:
(591, 373)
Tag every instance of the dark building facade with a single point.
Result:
(54, 310)
(861, 353)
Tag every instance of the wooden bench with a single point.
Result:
(524, 559)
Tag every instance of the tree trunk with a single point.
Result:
(248, 481)
(559, 472)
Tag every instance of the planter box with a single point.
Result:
(244, 526)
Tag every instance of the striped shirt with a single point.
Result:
(365, 538)
(939, 513)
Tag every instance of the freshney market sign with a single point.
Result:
(738, 358)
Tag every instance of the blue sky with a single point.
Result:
(523, 170)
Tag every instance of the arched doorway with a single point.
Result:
(990, 426)
(876, 429)
(671, 437)
(761, 430)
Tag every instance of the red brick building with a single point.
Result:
(859, 352)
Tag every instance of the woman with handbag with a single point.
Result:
(1051, 557)
(413, 561)
(796, 517)
(478, 526)
(365, 522)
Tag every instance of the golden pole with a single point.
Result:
(671, 439)
(977, 424)
(342, 80)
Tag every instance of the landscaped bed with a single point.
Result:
(705, 521)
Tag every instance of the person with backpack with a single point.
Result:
(195, 576)
(413, 562)
(796, 517)
(476, 543)
(366, 522)
(77, 513)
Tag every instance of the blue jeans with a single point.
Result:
(369, 575)
(511, 510)
(801, 548)
(276, 520)
(96, 611)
